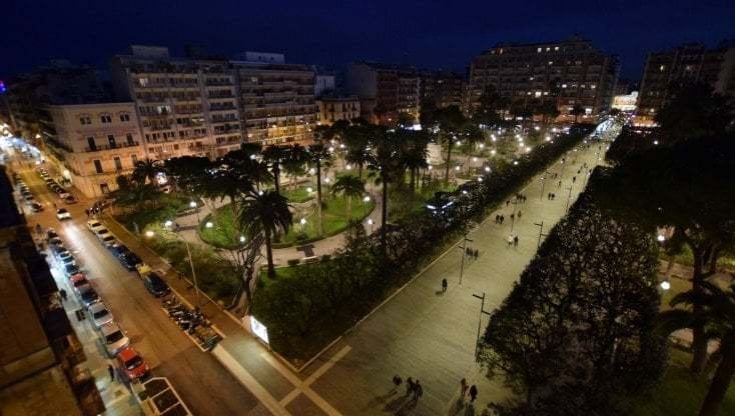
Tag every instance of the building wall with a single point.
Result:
(443, 89)
(565, 73)
(395, 89)
(335, 109)
(715, 67)
(99, 142)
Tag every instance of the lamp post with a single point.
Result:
(479, 322)
(569, 197)
(540, 233)
(175, 229)
(193, 205)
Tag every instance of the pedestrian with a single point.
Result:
(463, 387)
(473, 393)
(86, 211)
(497, 218)
(54, 204)
(418, 391)
(39, 229)
(477, 253)
(62, 293)
(519, 215)
(512, 217)
(548, 196)
(502, 219)
(507, 202)
(510, 240)
(515, 241)
(396, 382)
(111, 370)
(574, 179)
(444, 285)
(559, 184)
(409, 386)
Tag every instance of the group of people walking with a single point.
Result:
(414, 389)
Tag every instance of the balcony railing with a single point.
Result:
(103, 147)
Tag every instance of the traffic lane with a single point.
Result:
(159, 340)
(161, 343)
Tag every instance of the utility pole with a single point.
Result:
(540, 233)
(479, 322)
(543, 185)
(464, 254)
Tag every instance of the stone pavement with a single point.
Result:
(429, 335)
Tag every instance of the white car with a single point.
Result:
(113, 338)
(63, 214)
(95, 226)
(102, 232)
(99, 314)
(64, 194)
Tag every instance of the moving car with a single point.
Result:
(113, 338)
(99, 314)
(95, 226)
(63, 214)
(87, 295)
(155, 285)
(132, 365)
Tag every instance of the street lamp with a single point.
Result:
(479, 323)
(665, 285)
(209, 224)
(464, 253)
(370, 223)
(174, 228)
(540, 233)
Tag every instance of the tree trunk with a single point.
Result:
(413, 180)
(699, 341)
(722, 378)
(359, 170)
(319, 196)
(349, 208)
(269, 255)
(449, 159)
(276, 178)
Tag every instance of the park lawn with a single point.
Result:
(224, 232)
(299, 195)
(679, 394)
(167, 207)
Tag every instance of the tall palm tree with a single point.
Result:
(450, 120)
(413, 153)
(717, 313)
(319, 156)
(384, 163)
(274, 156)
(147, 170)
(268, 213)
(294, 164)
(350, 187)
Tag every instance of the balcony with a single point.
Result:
(103, 147)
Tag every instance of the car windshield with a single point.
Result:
(115, 336)
(108, 238)
(101, 313)
(89, 294)
(133, 362)
(72, 269)
(62, 211)
(80, 282)
(95, 224)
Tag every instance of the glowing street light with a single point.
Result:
(302, 221)
(209, 224)
(309, 189)
(149, 233)
(242, 238)
(487, 169)
(665, 285)
(168, 223)
(192, 204)
(661, 238)
(366, 198)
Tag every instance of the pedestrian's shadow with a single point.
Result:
(457, 408)
(397, 404)
(406, 406)
(469, 410)
(439, 293)
(378, 400)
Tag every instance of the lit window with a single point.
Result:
(661, 68)
(537, 94)
(530, 78)
(106, 118)
(593, 86)
(539, 49)
(563, 85)
(556, 48)
(551, 62)
(548, 49)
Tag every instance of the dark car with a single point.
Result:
(156, 285)
(51, 233)
(71, 270)
(88, 296)
(36, 207)
(129, 260)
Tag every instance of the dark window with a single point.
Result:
(118, 164)
(111, 139)
(130, 139)
(98, 166)
(91, 143)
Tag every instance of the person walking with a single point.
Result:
(396, 383)
(463, 388)
(510, 240)
(497, 218)
(39, 229)
(111, 370)
(515, 241)
(574, 179)
(86, 211)
(409, 386)
(559, 184)
(473, 393)
(512, 216)
(418, 391)
(502, 219)
(477, 253)
(519, 214)
(444, 285)
(62, 293)
(507, 202)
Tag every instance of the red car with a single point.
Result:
(132, 365)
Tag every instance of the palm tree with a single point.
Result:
(319, 155)
(349, 186)
(356, 141)
(147, 170)
(384, 163)
(450, 121)
(268, 213)
(413, 153)
(294, 163)
(717, 314)
(577, 110)
(275, 155)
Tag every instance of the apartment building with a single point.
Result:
(567, 73)
(95, 143)
(389, 89)
(40, 355)
(442, 88)
(185, 106)
(276, 98)
(333, 109)
(695, 62)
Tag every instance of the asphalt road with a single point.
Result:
(205, 386)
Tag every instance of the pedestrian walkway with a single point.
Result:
(430, 335)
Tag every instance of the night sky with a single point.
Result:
(432, 34)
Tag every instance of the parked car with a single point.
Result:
(36, 207)
(155, 285)
(51, 233)
(129, 260)
(63, 194)
(87, 295)
(65, 257)
(79, 282)
(63, 214)
(108, 240)
(69, 199)
(29, 199)
(132, 365)
(94, 226)
(71, 270)
(99, 314)
(113, 338)
(55, 245)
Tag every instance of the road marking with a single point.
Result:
(247, 380)
(304, 386)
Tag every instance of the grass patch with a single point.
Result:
(680, 393)
(336, 219)
(299, 195)
(167, 207)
